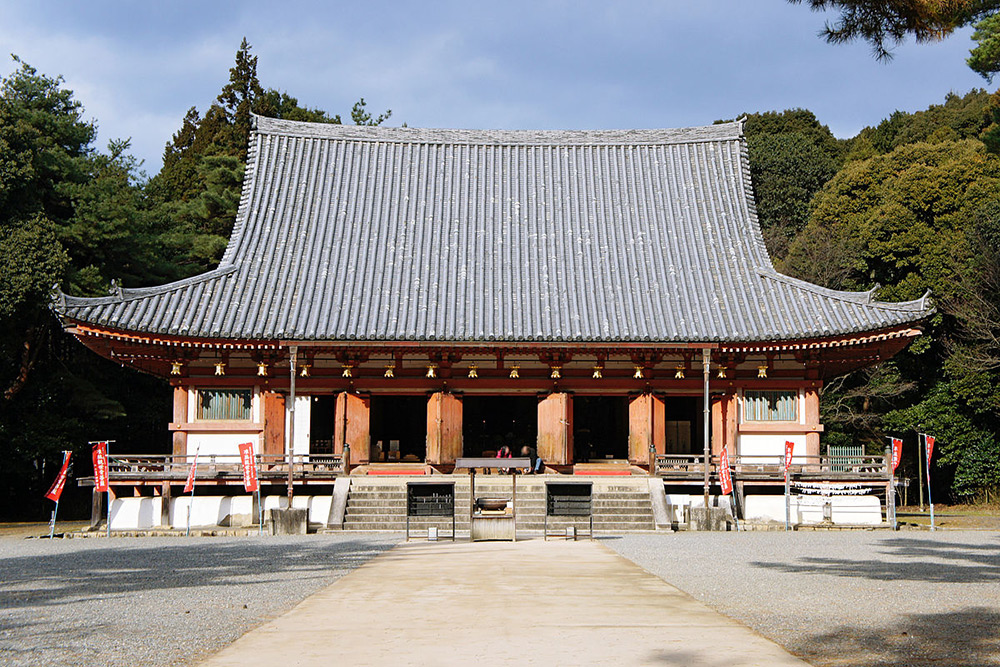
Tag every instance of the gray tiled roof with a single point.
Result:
(368, 233)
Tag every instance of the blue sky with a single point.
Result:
(138, 66)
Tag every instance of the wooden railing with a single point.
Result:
(680, 465)
(223, 467)
(749, 466)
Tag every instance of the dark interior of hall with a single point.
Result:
(321, 424)
(600, 428)
(489, 422)
(399, 428)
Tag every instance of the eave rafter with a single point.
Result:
(826, 357)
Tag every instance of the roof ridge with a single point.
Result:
(123, 294)
(862, 298)
(731, 131)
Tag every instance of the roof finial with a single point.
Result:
(924, 299)
(58, 298)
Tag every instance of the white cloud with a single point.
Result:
(544, 64)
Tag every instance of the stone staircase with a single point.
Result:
(620, 504)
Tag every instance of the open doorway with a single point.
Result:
(490, 422)
(682, 422)
(399, 428)
(600, 428)
(322, 416)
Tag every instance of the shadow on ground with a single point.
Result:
(924, 560)
(969, 636)
(118, 568)
(965, 638)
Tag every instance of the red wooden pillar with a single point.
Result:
(180, 418)
(555, 429)
(724, 423)
(813, 425)
(274, 426)
(444, 428)
(352, 425)
(645, 427)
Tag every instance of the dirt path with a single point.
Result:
(951, 517)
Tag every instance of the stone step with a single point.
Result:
(633, 519)
(380, 505)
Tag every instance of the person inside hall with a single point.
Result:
(536, 466)
(504, 453)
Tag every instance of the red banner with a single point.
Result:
(57, 486)
(725, 475)
(897, 452)
(789, 446)
(100, 456)
(249, 467)
(189, 484)
(929, 443)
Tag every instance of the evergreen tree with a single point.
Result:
(197, 192)
(72, 215)
(791, 156)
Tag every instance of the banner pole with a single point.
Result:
(190, 502)
(108, 454)
(788, 503)
(920, 473)
(107, 469)
(55, 491)
(260, 494)
(52, 524)
(735, 512)
(192, 478)
(930, 501)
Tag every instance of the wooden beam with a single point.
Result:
(180, 416)
(352, 424)
(812, 418)
(555, 429)
(444, 428)
(724, 423)
(274, 424)
(645, 427)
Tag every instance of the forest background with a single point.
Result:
(910, 204)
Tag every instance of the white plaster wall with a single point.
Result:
(208, 511)
(135, 513)
(771, 444)
(303, 424)
(223, 446)
(807, 510)
(211, 510)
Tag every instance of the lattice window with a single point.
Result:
(224, 403)
(770, 406)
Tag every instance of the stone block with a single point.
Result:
(288, 521)
(715, 518)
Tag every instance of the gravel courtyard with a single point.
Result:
(157, 601)
(839, 598)
(844, 598)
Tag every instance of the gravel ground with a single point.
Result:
(157, 601)
(844, 598)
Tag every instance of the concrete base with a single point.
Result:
(287, 521)
(715, 519)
